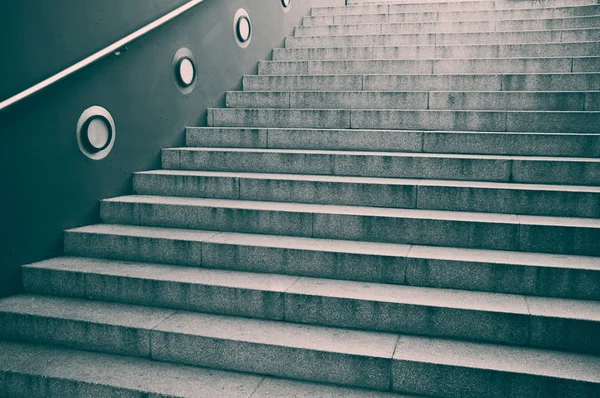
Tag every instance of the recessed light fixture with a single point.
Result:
(242, 28)
(185, 70)
(96, 132)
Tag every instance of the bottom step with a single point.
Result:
(383, 361)
(43, 371)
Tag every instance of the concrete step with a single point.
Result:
(426, 5)
(530, 199)
(375, 360)
(535, 36)
(493, 168)
(466, 82)
(446, 66)
(508, 25)
(476, 316)
(396, 16)
(531, 50)
(532, 274)
(557, 235)
(355, 358)
(524, 144)
(517, 121)
(72, 373)
(444, 100)
(385, 7)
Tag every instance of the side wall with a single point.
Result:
(47, 184)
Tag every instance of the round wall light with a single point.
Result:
(242, 28)
(286, 5)
(185, 70)
(96, 132)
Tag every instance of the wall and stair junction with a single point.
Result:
(405, 201)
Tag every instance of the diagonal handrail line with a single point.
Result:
(100, 54)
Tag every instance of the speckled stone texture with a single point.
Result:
(405, 199)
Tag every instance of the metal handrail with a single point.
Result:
(115, 47)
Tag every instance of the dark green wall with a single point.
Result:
(47, 185)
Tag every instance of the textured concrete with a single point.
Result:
(442, 100)
(429, 168)
(458, 369)
(532, 199)
(498, 168)
(350, 357)
(213, 291)
(54, 371)
(428, 227)
(440, 51)
(379, 82)
(529, 36)
(113, 328)
(439, 66)
(484, 270)
(413, 310)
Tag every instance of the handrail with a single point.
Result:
(116, 46)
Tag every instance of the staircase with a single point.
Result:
(404, 200)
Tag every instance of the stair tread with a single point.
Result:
(461, 20)
(376, 180)
(291, 75)
(346, 341)
(495, 357)
(350, 6)
(573, 222)
(474, 32)
(389, 154)
(324, 339)
(354, 247)
(340, 289)
(145, 375)
(591, 42)
(435, 59)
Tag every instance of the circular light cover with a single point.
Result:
(187, 72)
(285, 3)
(244, 29)
(97, 133)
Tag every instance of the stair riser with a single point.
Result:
(17, 384)
(422, 39)
(407, 270)
(446, 120)
(477, 15)
(586, 145)
(465, 382)
(449, 27)
(526, 82)
(499, 170)
(304, 364)
(360, 9)
(73, 334)
(483, 235)
(496, 327)
(433, 67)
(439, 52)
(566, 101)
(159, 293)
(510, 201)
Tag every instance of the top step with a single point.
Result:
(467, 3)
(396, 16)
(379, 8)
